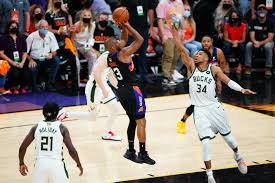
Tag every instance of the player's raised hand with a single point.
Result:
(248, 92)
(81, 170)
(23, 169)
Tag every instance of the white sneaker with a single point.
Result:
(241, 165)
(111, 136)
(177, 75)
(211, 179)
(62, 115)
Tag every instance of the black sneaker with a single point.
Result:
(130, 155)
(144, 158)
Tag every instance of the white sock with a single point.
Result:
(209, 172)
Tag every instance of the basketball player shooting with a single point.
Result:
(209, 115)
(49, 136)
(126, 87)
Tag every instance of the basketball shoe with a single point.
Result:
(241, 164)
(130, 155)
(111, 136)
(143, 157)
(181, 127)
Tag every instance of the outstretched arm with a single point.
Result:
(72, 151)
(22, 150)
(134, 46)
(187, 61)
(230, 83)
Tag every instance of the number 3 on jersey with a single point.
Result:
(117, 73)
(201, 89)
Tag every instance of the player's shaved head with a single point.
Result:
(111, 44)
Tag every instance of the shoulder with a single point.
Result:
(215, 70)
(33, 129)
(32, 35)
(63, 129)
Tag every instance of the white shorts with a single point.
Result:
(94, 93)
(50, 170)
(210, 120)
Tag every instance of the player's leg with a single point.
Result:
(207, 159)
(139, 109)
(221, 124)
(59, 173)
(231, 142)
(181, 124)
(41, 172)
(113, 108)
(131, 130)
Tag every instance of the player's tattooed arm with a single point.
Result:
(72, 151)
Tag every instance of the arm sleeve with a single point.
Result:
(234, 86)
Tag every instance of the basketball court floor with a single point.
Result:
(178, 157)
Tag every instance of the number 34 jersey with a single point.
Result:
(202, 87)
(124, 72)
(48, 140)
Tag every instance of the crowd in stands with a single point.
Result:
(37, 36)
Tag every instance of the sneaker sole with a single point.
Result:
(133, 160)
(110, 139)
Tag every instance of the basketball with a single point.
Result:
(121, 15)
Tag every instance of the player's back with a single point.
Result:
(48, 140)
(202, 87)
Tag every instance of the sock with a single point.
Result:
(131, 146)
(209, 172)
(184, 118)
(142, 147)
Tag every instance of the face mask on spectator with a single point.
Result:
(187, 13)
(234, 20)
(38, 16)
(43, 32)
(57, 5)
(86, 20)
(14, 30)
(103, 23)
(262, 15)
(226, 6)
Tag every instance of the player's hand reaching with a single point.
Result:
(247, 92)
(81, 169)
(23, 169)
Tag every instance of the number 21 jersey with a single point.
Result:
(48, 140)
(202, 87)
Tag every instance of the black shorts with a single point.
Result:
(131, 100)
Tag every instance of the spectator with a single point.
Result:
(189, 32)
(99, 6)
(234, 38)
(261, 32)
(270, 6)
(13, 48)
(75, 6)
(15, 11)
(4, 68)
(221, 16)
(42, 49)
(165, 10)
(138, 19)
(61, 25)
(244, 7)
(42, 3)
(84, 37)
(203, 16)
(36, 14)
(102, 32)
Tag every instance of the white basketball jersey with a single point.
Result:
(48, 140)
(202, 87)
